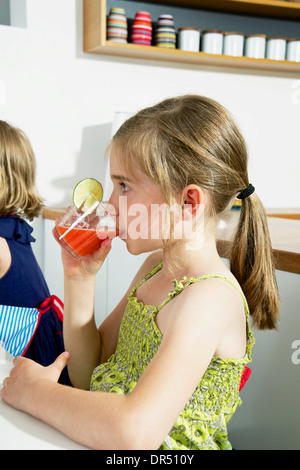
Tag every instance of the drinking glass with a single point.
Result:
(81, 233)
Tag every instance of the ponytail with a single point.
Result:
(251, 262)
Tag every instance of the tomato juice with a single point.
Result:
(82, 241)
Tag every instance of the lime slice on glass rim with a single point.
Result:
(86, 193)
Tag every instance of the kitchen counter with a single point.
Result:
(284, 231)
(21, 431)
(285, 238)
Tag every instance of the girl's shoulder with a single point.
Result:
(218, 294)
(13, 227)
(209, 310)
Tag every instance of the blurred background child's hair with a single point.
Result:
(18, 192)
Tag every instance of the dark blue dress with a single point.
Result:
(24, 285)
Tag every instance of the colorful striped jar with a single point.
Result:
(141, 29)
(165, 35)
(117, 30)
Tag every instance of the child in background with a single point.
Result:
(22, 283)
(164, 369)
(21, 280)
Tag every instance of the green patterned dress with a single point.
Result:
(202, 424)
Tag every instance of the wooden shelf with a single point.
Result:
(200, 58)
(95, 37)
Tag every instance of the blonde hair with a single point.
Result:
(18, 192)
(194, 140)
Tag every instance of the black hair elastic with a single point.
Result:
(246, 192)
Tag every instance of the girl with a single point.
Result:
(22, 283)
(166, 365)
(21, 280)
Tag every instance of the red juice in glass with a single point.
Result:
(80, 234)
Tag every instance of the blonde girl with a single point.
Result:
(22, 283)
(21, 280)
(164, 369)
(18, 192)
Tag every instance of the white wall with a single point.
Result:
(65, 100)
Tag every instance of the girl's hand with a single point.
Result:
(23, 383)
(87, 266)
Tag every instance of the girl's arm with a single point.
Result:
(88, 346)
(143, 418)
(81, 337)
(109, 329)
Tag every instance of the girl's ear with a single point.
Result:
(192, 197)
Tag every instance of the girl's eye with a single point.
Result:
(124, 187)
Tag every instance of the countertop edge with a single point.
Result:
(285, 259)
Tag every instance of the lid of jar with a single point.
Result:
(233, 33)
(212, 31)
(276, 37)
(256, 36)
(293, 39)
(188, 28)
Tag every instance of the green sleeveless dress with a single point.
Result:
(202, 424)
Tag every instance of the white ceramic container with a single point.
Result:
(276, 48)
(212, 41)
(233, 44)
(189, 39)
(255, 46)
(293, 50)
